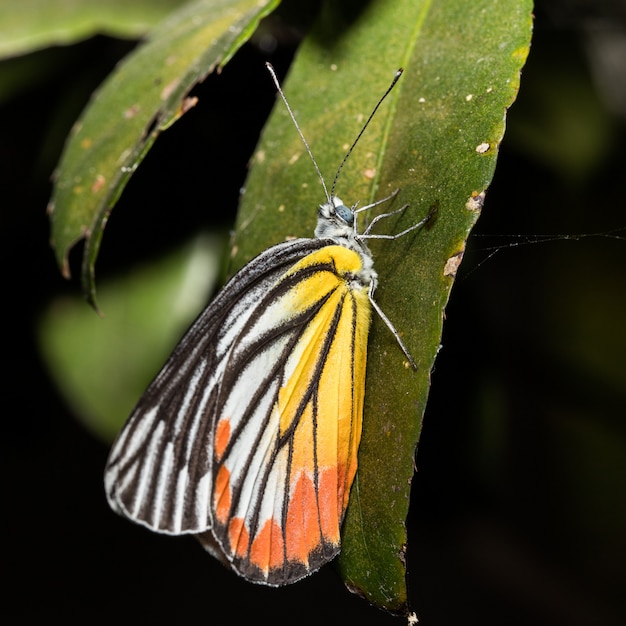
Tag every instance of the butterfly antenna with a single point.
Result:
(295, 123)
(369, 119)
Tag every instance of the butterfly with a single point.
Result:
(248, 436)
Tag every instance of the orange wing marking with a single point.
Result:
(222, 437)
(267, 549)
(238, 536)
(221, 496)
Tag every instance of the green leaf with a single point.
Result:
(435, 138)
(27, 25)
(145, 95)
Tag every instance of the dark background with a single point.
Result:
(518, 513)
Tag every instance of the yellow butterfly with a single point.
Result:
(248, 437)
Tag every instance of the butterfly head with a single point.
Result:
(335, 220)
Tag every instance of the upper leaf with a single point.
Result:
(144, 96)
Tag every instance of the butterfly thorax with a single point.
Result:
(336, 221)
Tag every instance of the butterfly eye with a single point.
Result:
(345, 214)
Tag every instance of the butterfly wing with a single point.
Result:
(288, 421)
(248, 436)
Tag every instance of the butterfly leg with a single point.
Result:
(415, 226)
(390, 326)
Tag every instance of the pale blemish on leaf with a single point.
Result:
(452, 264)
(475, 201)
